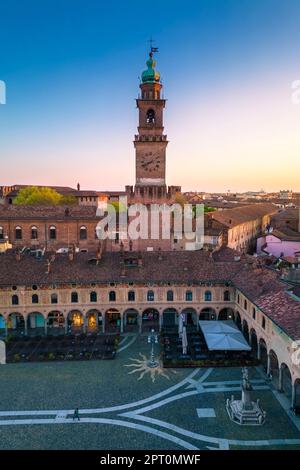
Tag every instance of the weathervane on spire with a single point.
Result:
(152, 49)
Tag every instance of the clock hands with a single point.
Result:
(152, 164)
(148, 163)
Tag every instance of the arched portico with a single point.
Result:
(190, 315)
(55, 322)
(285, 381)
(238, 320)
(208, 314)
(274, 368)
(94, 321)
(170, 318)
(296, 394)
(245, 329)
(253, 342)
(226, 314)
(113, 320)
(35, 324)
(75, 321)
(2, 326)
(263, 353)
(16, 324)
(150, 320)
(131, 320)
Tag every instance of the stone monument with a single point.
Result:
(245, 411)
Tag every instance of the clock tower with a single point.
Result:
(150, 143)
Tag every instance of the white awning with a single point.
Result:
(223, 336)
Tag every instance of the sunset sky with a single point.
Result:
(71, 69)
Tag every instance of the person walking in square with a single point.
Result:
(76, 414)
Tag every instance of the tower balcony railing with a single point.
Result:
(150, 138)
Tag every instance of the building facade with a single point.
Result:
(243, 225)
(131, 292)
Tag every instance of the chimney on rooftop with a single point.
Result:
(140, 260)
(49, 267)
(78, 186)
(123, 271)
(99, 252)
(18, 255)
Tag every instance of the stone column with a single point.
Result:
(26, 326)
(280, 380)
(45, 327)
(84, 324)
(269, 364)
(258, 350)
(293, 395)
(122, 324)
(160, 321)
(66, 325)
(140, 323)
(6, 328)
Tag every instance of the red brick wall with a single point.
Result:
(67, 232)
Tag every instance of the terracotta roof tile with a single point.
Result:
(46, 212)
(239, 215)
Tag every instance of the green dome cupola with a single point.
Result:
(150, 75)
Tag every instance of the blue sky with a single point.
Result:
(71, 69)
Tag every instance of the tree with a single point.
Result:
(209, 209)
(68, 200)
(180, 199)
(116, 206)
(41, 196)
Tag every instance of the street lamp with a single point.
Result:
(152, 339)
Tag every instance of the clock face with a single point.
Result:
(151, 161)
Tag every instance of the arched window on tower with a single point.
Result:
(150, 117)
(34, 233)
(18, 233)
(83, 233)
(52, 232)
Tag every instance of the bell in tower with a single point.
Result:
(150, 143)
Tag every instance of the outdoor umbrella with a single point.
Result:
(223, 336)
(184, 341)
(180, 325)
